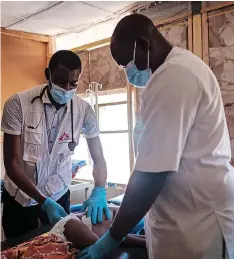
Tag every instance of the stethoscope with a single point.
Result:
(72, 143)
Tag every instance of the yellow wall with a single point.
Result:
(23, 61)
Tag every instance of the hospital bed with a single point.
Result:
(122, 252)
(119, 253)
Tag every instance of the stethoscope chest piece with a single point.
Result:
(72, 145)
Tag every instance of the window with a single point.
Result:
(112, 113)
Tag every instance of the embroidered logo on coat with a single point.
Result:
(64, 138)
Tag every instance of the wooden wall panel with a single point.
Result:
(23, 63)
(221, 57)
(176, 34)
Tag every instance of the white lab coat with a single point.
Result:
(185, 131)
(54, 169)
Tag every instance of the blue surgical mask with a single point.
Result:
(61, 95)
(138, 78)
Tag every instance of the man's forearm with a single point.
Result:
(142, 191)
(99, 163)
(17, 175)
(100, 173)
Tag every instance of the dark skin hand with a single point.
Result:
(142, 191)
(14, 167)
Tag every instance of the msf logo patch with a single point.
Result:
(64, 138)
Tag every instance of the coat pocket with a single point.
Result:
(32, 145)
(61, 178)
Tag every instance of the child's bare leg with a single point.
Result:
(79, 234)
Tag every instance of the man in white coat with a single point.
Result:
(183, 179)
(41, 129)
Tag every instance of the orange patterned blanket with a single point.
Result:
(47, 246)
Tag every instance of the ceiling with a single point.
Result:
(62, 18)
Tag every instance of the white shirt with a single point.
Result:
(185, 131)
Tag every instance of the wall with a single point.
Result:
(104, 70)
(221, 52)
(176, 34)
(22, 66)
(221, 58)
(99, 66)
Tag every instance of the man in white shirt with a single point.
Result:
(182, 178)
(41, 128)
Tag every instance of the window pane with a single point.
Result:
(111, 98)
(81, 151)
(116, 153)
(114, 117)
(90, 99)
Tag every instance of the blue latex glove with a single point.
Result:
(100, 250)
(54, 211)
(96, 204)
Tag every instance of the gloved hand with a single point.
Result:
(96, 204)
(54, 211)
(100, 250)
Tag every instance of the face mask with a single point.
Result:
(61, 95)
(138, 78)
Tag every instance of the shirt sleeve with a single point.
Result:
(170, 107)
(90, 125)
(12, 118)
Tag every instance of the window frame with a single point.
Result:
(129, 91)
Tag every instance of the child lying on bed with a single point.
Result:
(67, 237)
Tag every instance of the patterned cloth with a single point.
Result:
(47, 246)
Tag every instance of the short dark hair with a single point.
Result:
(133, 27)
(65, 58)
(130, 29)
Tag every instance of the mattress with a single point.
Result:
(120, 253)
